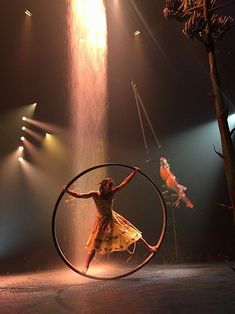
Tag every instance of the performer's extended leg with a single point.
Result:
(176, 188)
(148, 246)
(187, 201)
(89, 258)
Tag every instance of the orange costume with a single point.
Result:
(111, 232)
(172, 183)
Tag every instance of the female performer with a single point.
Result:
(172, 183)
(111, 232)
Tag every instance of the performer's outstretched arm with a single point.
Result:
(126, 180)
(80, 195)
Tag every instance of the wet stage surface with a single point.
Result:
(183, 288)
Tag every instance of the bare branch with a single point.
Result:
(224, 205)
(198, 37)
(199, 7)
(232, 131)
(219, 154)
(222, 6)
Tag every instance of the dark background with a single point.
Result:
(171, 74)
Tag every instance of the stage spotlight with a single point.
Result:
(137, 32)
(24, 118)
(22, 138)
(27, 12)
(54, 129)
(48, 136)
(21, 148)
(23, 128)
(20, 158)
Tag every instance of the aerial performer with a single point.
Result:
(111, 231)
(171, 182)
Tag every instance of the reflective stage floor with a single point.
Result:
(166, 289)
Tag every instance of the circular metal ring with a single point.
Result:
(145, 261)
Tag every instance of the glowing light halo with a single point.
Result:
(93, 21)
(145, 261)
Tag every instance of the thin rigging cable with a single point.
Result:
(139, 103)
(140, 118)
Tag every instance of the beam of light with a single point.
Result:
(27, 111)
(27, 12)
(41, 187)
(22, 138)
(9, 172)
(200, 169)
(34, 154)
(35, 177)
(25, 44)
(50, 128)
(88, 91)
(88, 64)
(20, 179)
(11, 208)
(156, 43)
(195, 159)
(231, 120)
(92, 19)
(34, 134)
(20, 148)
(39, 159)
(55, 150)
(23, 128)
(11, 121)
(20, 159)
(51, 157)
(22, 112)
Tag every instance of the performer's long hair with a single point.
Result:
(103, 185)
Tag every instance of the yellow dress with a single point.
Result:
(111, 231)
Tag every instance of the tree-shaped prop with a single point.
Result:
(201, 22)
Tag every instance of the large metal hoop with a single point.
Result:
(147, 259)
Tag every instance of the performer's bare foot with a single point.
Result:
(153, 248)
(84, 270)
(189, 204)
(131, 252)
(176, 204)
